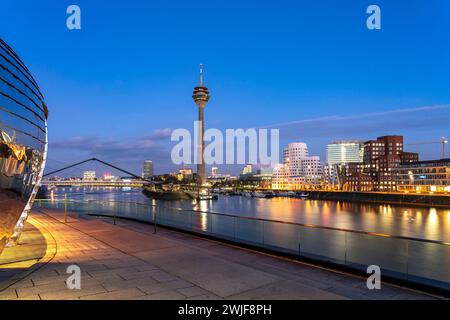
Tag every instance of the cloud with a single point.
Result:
(371, 115)
(161, 134)
(138, 148)
(361, 126)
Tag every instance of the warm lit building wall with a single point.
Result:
(260, 178)
(424, 176)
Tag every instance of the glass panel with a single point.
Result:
(172, 217)
(223, 226)
(24, 86)
(323, 244)
(201, 222)
(281, 236)
(250, 231)
(429, 260)
(390, 254)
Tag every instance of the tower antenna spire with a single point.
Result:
(201, 75)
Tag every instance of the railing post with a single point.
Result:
(154, 219)
(345, 257)
(263, 234)
(299, 241)
(65, 207)
(407, 259)
(115, 212)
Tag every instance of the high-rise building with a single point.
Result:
(147, 170)
(293, 155)
(23, 142)
(201, 98)
(381, 157)
(339, 155)
(214, 172)
(247, 169)
(89, 175)
(345, 151)
(312, 171)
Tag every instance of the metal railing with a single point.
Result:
(422, 261)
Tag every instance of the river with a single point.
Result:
(418, 222)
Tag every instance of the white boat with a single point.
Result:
(302, 195)
(207, 197)
(259, 195)
(288, 194)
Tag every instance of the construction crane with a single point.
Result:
(443, 142)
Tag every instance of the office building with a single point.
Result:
(214, 172)
(147, 170)
(247, 169)
(259, 178)
(380, 159)
(431, 176)
(339, 154)
(89, 175)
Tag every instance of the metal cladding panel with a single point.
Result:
(23, 142)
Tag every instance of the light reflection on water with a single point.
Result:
(419, 222)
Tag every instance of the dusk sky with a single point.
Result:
(116, 88)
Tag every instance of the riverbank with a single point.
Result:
(383, 198)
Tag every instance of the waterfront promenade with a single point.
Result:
(129, 261)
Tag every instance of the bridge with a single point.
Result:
(131, 180)
(134, 180)
(95, 183)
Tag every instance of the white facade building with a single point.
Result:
(293, 156)
(312, 170)
(299, 170)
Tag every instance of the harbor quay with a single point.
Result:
(128, 260)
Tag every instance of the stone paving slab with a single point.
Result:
(129, 261)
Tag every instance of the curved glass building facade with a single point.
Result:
(23, 142)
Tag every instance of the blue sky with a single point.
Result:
(115, 85)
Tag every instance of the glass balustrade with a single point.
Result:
(417, 260)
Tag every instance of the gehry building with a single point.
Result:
(299, 170)
(23, 142)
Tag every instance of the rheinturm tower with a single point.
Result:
(201, 98)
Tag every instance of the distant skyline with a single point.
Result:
(117, 87)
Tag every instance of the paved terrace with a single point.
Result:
(128, 261)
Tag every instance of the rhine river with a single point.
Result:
(417, 222)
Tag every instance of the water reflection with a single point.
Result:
(430, 223)
(201, 206)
